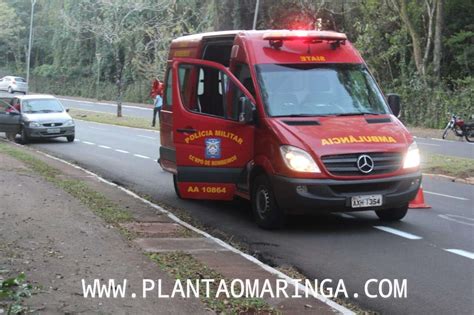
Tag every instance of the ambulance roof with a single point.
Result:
(294, 48)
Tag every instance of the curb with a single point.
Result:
(271, 270)
(62, 98)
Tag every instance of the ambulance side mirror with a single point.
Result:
(394, 103)
(246, 110)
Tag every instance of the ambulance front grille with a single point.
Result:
(346, 164)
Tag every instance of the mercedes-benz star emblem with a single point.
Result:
(365, 164)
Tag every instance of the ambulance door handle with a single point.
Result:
(186, 130)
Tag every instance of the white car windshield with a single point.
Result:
(319, 90)
(42, 106)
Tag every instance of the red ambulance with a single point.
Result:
(291, 120)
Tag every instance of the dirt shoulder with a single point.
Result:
(56, 241)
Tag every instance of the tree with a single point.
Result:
(118, 27)
(438, 37)
(10, 31)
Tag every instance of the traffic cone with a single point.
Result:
(419, 201)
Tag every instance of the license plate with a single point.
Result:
(366, 201)
(53, 130)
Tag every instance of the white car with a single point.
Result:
(13, 84)
(35, 116)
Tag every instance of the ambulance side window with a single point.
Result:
(169, 91)
(201, 89)
(208, 91)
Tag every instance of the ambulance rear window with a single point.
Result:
(319, 90)
(169, 91)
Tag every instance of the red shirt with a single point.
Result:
(16, 106)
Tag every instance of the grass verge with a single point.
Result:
(448, 165)
(94, 200)
(183, 266)
(112, 119)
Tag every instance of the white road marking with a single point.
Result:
(121, 151)
(460, 252)
(435, 139)
(104, 147)
(77, 140)
(87, 142)
(97, 128)
(142, 156)
(457, 218)
(147, 137)
(454, 141)
(443, 195)
(397, 232)
(423, 143)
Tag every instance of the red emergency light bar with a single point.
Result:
(305, 35)
(276, 38)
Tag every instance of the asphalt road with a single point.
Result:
(433, 249)
(426, 145)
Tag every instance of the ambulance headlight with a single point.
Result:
(412, 158)
(298, 160)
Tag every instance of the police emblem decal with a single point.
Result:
(213, 148)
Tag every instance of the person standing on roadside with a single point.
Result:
(157, 96)
(156, 110)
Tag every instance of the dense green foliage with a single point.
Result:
(421, 49)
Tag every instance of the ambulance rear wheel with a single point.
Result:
(175, 185)
(394, 214)
(266, 212)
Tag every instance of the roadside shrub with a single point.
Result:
(431, 106)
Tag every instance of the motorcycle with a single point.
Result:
(460, 128)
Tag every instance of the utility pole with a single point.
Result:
(255, 15)
(99, 57)
(33, 2)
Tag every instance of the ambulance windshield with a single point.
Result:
(319, 90)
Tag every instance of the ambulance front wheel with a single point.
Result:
(394, 214)
(266, 212)
(175, 185)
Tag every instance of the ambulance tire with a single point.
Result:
(175, 185)
(394, 214)
(266, 212)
